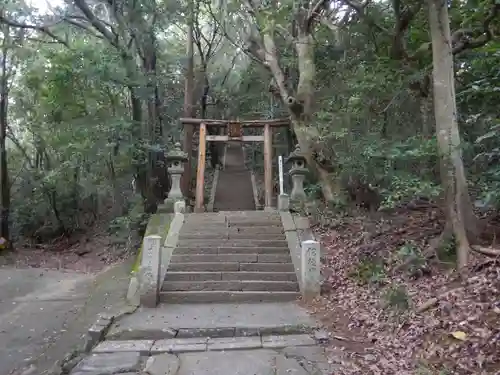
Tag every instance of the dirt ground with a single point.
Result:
(393, 316)
(50, 295)
(86, 253)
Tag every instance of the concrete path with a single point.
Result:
(43, 313)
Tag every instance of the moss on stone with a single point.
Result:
(158, 224)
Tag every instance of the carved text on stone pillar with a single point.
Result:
(311, 256)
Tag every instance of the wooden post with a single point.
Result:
(200, 175)
(268, 167)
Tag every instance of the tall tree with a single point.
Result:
(271, 24)
(5, 72)
(188, 100)
(456, 194)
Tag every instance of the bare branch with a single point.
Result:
(359, 8)
(248, 50)
(83, 26)
(45, 29)
(97, 23)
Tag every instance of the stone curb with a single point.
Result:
(215, 332)
(297, 229)
(203, 344)
(95, 334)
(133, 291)
(258, 206)
(211, 201)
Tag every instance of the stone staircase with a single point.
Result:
(231, 257)
(234, 188)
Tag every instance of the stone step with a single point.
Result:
(204, 266)
(263, 276)
(234, 236)
(231, 250)
(267, 267)
(238, 275)
(251, 216)
(231, 243)
(233, 220)
(231, 266)
(178, 257)
(265, 228)
(213, 320)
(271, 226)
(226, 296)
(253, 223)
(202, 258)
(214, 217)
(241, 285)
(209, 232)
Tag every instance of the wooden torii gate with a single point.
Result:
(234, 133)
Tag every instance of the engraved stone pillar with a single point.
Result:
(298, 173)
(310, 269)
(149, 271)
(175, 164)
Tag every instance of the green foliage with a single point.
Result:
(62, 188)
(135, 220)
(313, 190)
(396, 297)
(447, 251)
(76, 146)
(414, 261)
(369, 271)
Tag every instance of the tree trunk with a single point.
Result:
(4, 174)
(188, 105)
(306, 138)
(425, 107)
(139, 152)
(301, 110)
(458, 204)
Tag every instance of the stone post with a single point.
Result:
(310, 269)
(175, 164)
(150, 271)
(283, 202)
(298, 173)
(179, 207)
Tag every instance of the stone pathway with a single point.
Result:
(305, 360)
(218, 339)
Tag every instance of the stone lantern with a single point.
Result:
(298, 173)
(175, 159)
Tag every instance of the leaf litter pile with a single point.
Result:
(393, 303)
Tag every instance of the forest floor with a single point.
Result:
(86, 252)
(393, 307)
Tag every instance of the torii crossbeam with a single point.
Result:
(234, 133)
